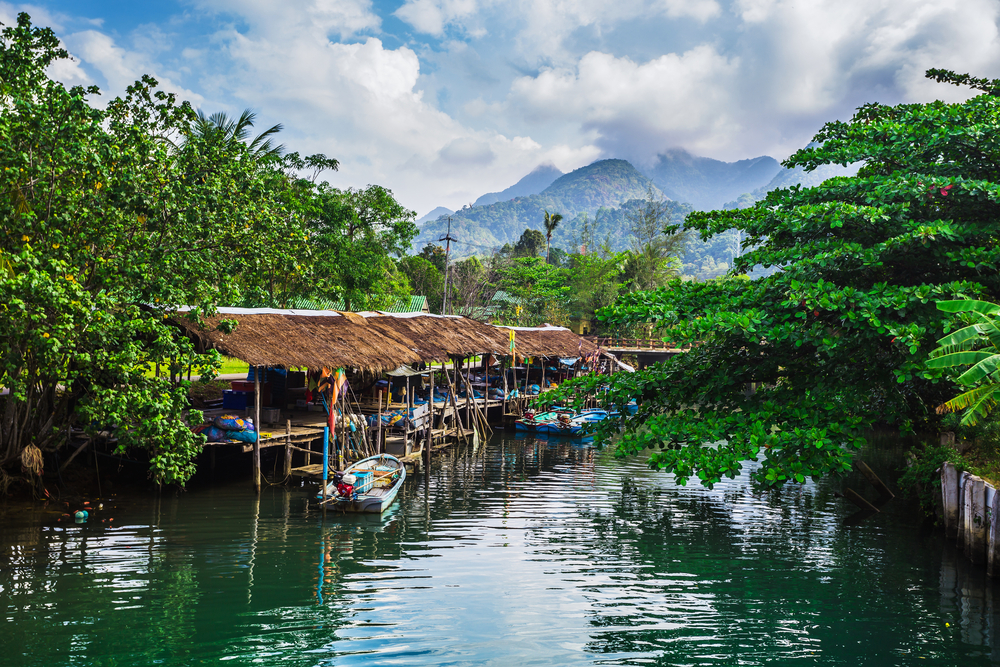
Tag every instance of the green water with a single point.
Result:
(525, 552)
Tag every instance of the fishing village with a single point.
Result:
(374, 383)
(348, 333)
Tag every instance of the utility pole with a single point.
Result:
(447, 252)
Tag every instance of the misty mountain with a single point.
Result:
(603, 185)
(786, 178)
(540, 178)
(435, 214)
(708, 184)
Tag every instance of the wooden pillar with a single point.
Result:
(287, 470)
(468, 394)
(975, 541)
(541, 387)
(949, 499)
(993, 536)
(430, 420)
(378, 425)
(256, 426)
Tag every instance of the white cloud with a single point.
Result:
(280, 19)
(635, 107)
(431, 16)
(119, 66)
(700, 10)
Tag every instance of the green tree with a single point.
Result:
(434, 254)
(655, 245)
(791, 369)
(104, 228)
(550, 222)
(530, 244)
(353, 236)
(219, 127)
(425, 280)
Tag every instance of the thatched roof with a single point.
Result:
(370, 341)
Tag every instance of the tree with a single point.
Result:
(793, 368)
(425, 280)
(434, 254)
(655, 245)
(109, 220)
(550, 222)
(530, 244)
(354, 234)
(219, 127)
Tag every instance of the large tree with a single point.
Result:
(792, 369)
(109, 218)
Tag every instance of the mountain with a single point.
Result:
(786, 178)
(539, 179)
(707, 184)
(606, 184)
(435, 214)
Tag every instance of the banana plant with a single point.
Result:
(976, 346)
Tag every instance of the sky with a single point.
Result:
(442, 101)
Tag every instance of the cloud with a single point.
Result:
(633, 106)
(119, 66)
(431, 16)
(466, 152)
(344, 18)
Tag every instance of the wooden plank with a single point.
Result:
(853, 496)
(873, 479)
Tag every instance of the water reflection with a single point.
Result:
(523, 551)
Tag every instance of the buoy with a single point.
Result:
(81, 514)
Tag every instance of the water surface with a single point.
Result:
(524, 552)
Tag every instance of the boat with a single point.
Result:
(369, 485)
(537, 422)
(576, 425)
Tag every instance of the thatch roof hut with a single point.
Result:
(368, 341)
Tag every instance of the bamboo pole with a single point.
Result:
(256, 425)
(430, 419)
(378, 433)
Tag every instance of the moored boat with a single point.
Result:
(576, 425)
(369, 485)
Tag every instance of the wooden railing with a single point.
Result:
(627, 343)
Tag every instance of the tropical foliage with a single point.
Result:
(792, 369)
(976, 346)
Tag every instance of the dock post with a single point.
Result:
(949, 498)
(975, 539)
(287, 470)
(326, 458)
(430, 415)
(256, 426)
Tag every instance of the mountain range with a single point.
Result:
(600, 195)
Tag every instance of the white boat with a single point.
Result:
(374, 483)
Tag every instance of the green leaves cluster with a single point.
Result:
(793, 368)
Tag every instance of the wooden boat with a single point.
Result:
(377, 480)
(538, 422)
(576, 426)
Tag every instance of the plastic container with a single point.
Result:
(365, 481)
(235, 400)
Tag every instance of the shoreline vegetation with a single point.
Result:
(114, 217)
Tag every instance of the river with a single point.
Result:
(523, 552)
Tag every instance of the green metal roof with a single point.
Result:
(408, 304)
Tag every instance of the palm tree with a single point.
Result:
(221, 127)
(550, 222)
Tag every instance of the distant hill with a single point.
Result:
(605, 184)
(708, 184)
(435, 214)
(532, 184)
(786, 178)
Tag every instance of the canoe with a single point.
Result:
(377, 481)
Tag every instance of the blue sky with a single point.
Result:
(444, 100)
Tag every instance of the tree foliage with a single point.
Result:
(791, 369)
(108, 219)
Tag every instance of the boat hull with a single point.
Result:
(379, 498)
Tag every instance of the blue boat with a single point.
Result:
(577, 426)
